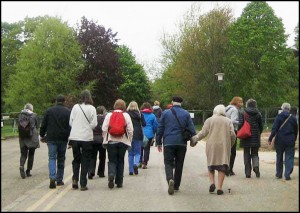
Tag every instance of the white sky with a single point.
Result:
(139, 24)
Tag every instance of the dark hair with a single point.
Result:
(146, 105)
(101, 110)
(251, 103)
(60, 99)
(120, 104)
(177, 99)
(86, 97)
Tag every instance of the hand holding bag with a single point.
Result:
(245, 130)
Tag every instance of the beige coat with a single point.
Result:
(126, 138)
(220, 138)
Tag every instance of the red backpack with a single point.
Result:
(117, 124)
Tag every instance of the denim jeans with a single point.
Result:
(174, 158)
(116, 154)
(25, 151)
(134, 154)
(145, 152)
(97, 148)
(289, 152)
(250, 153)
(81, 160)
(57, 157)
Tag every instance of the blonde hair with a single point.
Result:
(120, 104)
(133, 106)
(235, 100)
(156, 103)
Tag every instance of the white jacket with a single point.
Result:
(81, 129)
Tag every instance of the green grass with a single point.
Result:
(7, 131)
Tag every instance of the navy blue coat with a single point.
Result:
(169, 129)
(288, 133)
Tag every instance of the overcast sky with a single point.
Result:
(139, 24)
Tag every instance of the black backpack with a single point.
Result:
(24, 126)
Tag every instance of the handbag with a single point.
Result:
(186, 133)
(245, 130)
(273, 139)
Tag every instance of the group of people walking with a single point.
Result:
(90, 131)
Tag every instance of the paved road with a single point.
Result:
(148, 190)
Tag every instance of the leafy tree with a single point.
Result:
(11, 44)
(47, 66)
(136, 85)
(102, 66)
(255, 67)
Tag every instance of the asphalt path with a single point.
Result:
(146, 191)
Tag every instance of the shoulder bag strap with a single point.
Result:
(284, 122)
(174, 113)
(84, 113)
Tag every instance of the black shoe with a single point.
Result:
(52, 184)
(288, 178)
(231, 173)
(22, 172)
(130, 173)
(278, 177)
(136, 170)
(75, 184)
(90, 176)
(248, 176)
(28, 173)
(60, 183)
(111, 182)
(220, 192)
(171, 187)
(227, 172)
(120, 185)
(256, 170)
(83, 188)
(212, 188)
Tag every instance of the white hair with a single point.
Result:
(219, 110)
(286, 107)
(28, 106)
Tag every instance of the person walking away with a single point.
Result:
(117, 133)
(55, 127)
(149, 131)
(28, 138)
(157, 110)
(232, 112)
(138, 123)
(97, 146)
(221, 137)
(285, 131)
(170, 134)
(83, 120)
(251, 144)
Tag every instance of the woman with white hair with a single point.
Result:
(220, 138)
(285, 131)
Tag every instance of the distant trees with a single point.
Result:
(47, 66)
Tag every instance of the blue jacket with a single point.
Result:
(288, 133)
(151, 124)
(169, 129)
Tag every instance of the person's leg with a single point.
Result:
(179, 161)
(23, 157)
(85, 162)
(255, 160)
(76, 163)
(247, 162)
(289, 161)
(221, 176)
(147, 153)
(93, 160)
(279, 160)
(102, 159)
(137, 154)
(31, 152)
(120, 164)
(232, 159)
(211, 175)
(52, 155)
(112, 163)
(131, 157)
(61, 158)
(169, 161)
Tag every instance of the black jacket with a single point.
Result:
(56, 124)
(255, 121)
(138, 121)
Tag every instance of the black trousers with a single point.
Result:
(27, 152)
(174, 156)
(81, 160)
(97, 148)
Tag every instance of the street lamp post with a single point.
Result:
(220, 80)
